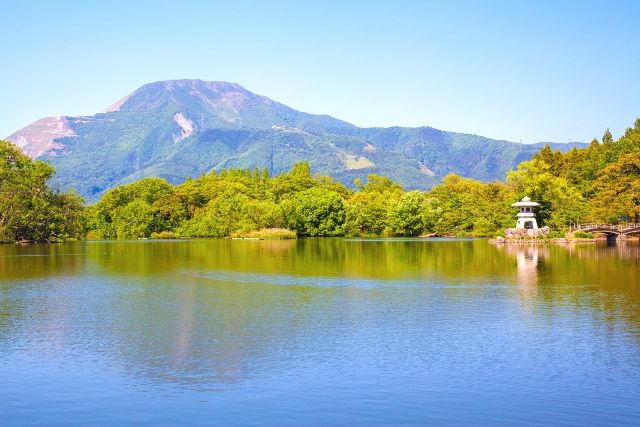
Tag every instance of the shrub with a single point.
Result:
(165, 235)
(93, 235)
(268, 233)
(555, 234)
(583, 235)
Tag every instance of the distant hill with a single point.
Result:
(180, 128)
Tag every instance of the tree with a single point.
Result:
(263, 214)
(406, 217)
(136, 210)
(319, 212)
(367, 214)
(380, 184)
(29, 209)
(134, 220)
(368, 210)
(561, 203)
(221, 217)
(297, 180)
(545, 154)
(464, 206)
(618, 191)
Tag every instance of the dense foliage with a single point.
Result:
(598, 183)
(29, 209)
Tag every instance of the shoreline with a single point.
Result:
(560, 240)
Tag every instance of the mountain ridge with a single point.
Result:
(180, 128)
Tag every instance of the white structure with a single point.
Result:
(526, 216)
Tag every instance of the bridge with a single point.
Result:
(612, 230)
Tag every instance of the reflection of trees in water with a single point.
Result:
(40, 260)
(381, 259)
(216, 331)
(19, 263)
(159, 323)
(602, 278)
(143, 311)
(623, 249)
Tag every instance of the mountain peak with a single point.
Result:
(185, 91)
(193, 87)
(197, 84)
(179, 128)
(216, 103)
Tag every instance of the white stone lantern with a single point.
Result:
(526, 216)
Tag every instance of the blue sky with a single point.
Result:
(523, 71)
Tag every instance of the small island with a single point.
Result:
(527, 231)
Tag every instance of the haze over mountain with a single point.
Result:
(180, 128)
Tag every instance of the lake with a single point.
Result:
(319, 332)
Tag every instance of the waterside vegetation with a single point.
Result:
(29, 209)
(598, 183)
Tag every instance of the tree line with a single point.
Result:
(598, 183)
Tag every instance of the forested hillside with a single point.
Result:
(181, 128)
(598, 183)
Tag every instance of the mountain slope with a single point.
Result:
(179, 128)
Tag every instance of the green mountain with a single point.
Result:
(180, 128)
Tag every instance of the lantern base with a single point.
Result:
(527, 223)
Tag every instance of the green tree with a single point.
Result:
(463, 206)
(134, 220)
(618, 191)
(297, 180)
(379, 184)
(263, 214)
(407, 216)
(319, 212)
(145, 203)
(561, 203)
(29, 209)
(368, 210)
(367, 214)
(221, 217)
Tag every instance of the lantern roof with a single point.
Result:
(526, 202)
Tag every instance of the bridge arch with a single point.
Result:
(600, 230)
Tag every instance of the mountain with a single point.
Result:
(180, 128)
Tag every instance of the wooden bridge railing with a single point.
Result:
(618, 228)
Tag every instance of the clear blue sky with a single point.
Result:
(530, 71)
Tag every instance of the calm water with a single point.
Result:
(319, 332)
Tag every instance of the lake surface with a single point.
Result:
(319, 332)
